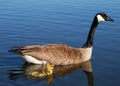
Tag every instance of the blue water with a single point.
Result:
(30, 22)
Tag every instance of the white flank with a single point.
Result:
(31, 59)
(100, 18)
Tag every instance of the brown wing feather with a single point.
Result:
(54, 53)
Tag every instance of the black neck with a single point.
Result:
(90, 37)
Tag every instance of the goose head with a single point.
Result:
(103, 17)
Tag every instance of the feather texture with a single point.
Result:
(58, 54)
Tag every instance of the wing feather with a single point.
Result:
(53, 53)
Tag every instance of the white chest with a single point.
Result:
(86, 54)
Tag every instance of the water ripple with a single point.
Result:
(66, 21)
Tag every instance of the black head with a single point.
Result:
(103, 17)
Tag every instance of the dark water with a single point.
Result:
(30, 22)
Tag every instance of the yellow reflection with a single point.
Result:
(49, 70)
(39, 71)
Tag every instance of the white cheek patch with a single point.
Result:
(100, 18)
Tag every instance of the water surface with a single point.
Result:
(30, 22)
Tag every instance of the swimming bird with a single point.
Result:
(60, 54)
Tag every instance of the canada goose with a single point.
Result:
(60, 54)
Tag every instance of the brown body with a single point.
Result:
(57, 54)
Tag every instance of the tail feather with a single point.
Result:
(17, 50)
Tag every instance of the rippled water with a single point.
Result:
(31, 22)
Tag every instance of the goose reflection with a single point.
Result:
(48, 71)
